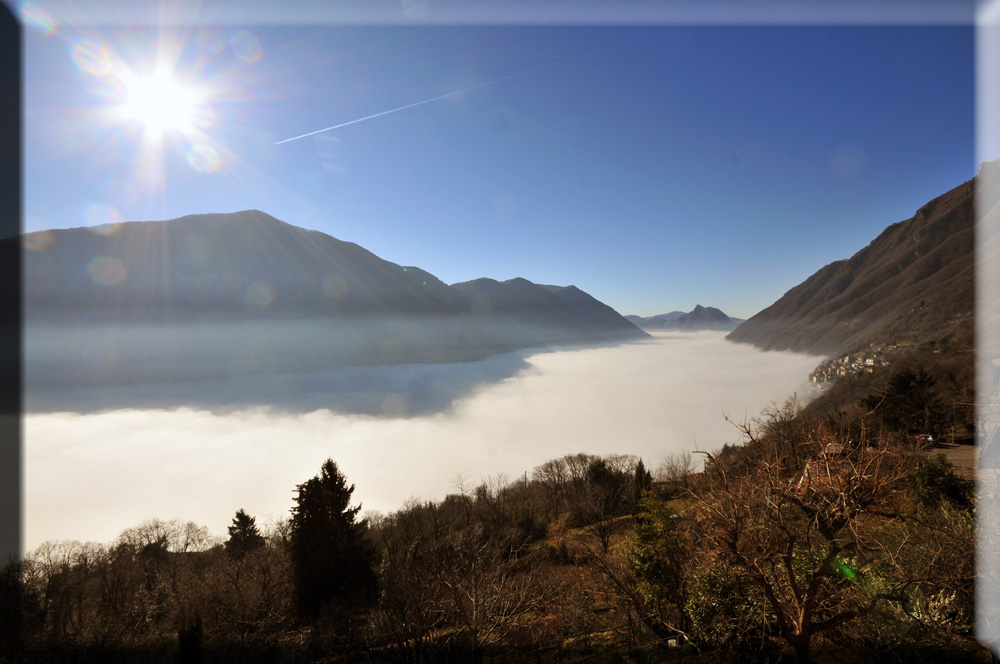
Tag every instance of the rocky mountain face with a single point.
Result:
(699, 318)
(913, 284)
(230, 294)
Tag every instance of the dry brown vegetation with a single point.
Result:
(793, 545)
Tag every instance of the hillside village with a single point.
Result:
(850, 364)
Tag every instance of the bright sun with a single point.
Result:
(159, 103)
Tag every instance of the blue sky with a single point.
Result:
(656, 167)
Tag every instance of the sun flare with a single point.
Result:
(159, 103)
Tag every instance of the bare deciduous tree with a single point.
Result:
(487, 590)
(797, 531)
(406, 619)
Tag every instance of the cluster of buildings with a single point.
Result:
(847, 365)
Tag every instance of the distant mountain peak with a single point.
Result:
(699, 318)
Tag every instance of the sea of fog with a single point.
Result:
(88, 475)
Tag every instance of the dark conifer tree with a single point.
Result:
(643, 482)
(12, 609)
(244, 536)
(190, 637)
(332, 559)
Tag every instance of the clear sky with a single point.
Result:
(655, 166)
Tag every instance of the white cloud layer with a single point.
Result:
(88, 476)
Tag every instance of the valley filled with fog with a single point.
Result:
(400, 432)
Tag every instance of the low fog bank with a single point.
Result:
(385, 390)
(88, 476)
(400, 365)
(88, 355)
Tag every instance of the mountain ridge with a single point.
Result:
(245, 293)
(912, 284)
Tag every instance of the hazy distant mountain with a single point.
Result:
(543, 311)
(244, 293)
(914, 283)
(700, 318)
(640, 320)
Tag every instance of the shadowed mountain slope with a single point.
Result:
(245, 264)
(914, 283)
(217, 295)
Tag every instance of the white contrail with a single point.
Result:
(420, 103)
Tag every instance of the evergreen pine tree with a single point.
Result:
(244, 536)
(332, 559)
(642, 482)
(190, 637)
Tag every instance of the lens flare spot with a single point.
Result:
(37, 241)
(91, 58)
(391, 351)
(204, 158)
(847, 160)
(335, 169)
(414, 8)
(37, 18)
(197, 251)
(310, 178)
(335, 286)
(106, 270)
(259, 294)
(101, 216)
(328, 150)
(211, 40)
(201, 117)
(394, 406)
(120, 193)
(846, 570)
(326, 144)
(104, 229)
(441, 386)
(105, 87)
(246, 46)
(111, 358)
